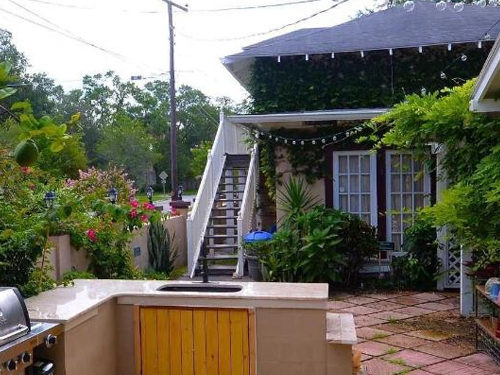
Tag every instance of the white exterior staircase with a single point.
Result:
(224, 207)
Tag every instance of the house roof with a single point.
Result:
(487, 88)
(299, 119)
(393, 28)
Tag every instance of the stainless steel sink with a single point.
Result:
(201, 288)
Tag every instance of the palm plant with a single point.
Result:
(296, 199)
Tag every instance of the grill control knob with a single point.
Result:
(11, 365)
(26, 357)
(50, 340)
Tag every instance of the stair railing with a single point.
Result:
(246, 213)
(230, 139)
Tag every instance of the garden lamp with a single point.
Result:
(149, 194)
(49, 198)
(113, 195)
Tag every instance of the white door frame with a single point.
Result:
(373, 181)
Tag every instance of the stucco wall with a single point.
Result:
(63, 257)
(284, 169)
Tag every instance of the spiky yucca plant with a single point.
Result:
(162, 255)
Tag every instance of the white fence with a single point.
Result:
(230, 139)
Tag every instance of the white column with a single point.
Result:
(441, 186)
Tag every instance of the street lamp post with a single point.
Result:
(149, 194)
(50, 198)
(113, 195)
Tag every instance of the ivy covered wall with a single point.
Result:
(351, 81)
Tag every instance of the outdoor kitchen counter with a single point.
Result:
(66, 304)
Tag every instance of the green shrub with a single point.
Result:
(321, 245)
(418, 269)
(74, 275)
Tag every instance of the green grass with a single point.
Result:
(379, 336)
(142, 198)
(391, 351)
(397, 361)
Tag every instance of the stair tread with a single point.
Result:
(221, 236)
(225, 208)
(229, 200)
(221, 257)
(220, 217)
(221, 246)
(230, 191)
(222, 226)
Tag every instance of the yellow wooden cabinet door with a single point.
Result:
(184, 341)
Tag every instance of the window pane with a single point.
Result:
(343, 184)
(395, 183)
(343, 203)
(407, 207)
(407, 182)
(365, 203)
(419, 201)
(407, 161)
(365, 184)
(366, 218)
(354, 200)
(354, 184)
(365, 164)
(396, 223)
(395, 203)
(342, 164)
(418, 166)
(407, 221)
(396, 238)
(395, 163)
(353, 164)
(418, 184)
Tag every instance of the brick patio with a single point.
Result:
(413, 334)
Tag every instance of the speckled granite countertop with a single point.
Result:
(64, 304)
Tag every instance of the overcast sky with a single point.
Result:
(135, 34)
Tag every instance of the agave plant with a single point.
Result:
(296, 199)
(162, 255)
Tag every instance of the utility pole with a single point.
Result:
(173, 103)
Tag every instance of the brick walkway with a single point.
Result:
(414, 334)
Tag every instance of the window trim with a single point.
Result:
(373, 181)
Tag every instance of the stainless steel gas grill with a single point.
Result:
(18, 336)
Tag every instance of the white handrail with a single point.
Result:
(246, 214)
(230, 139)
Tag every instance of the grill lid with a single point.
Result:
(14, 318)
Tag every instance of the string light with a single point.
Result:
(409, 6)
(458, 7)
(335, 138)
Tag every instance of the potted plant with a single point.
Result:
(254, 244)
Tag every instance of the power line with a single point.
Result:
(79, 7)
(70, 35)
(256, 6)
(269, 31)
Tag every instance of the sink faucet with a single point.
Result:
(204, 269)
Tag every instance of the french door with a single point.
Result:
(408, 190)
(355, 184)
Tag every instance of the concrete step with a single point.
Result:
(228, 200)
(216, 257)
(230, 191)
(226, 208)
(217, 269)
(340, 329)
(221, 217)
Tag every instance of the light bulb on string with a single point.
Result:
(458, 7)
(423, 91)
(293, 142)
(270, 136)
(463, 57)
(323, 141)
(441, 5)
(481, 3)
(276, 139)
(409, 6)
(313, 142)
(302, 143)
(334, 138)
(487, 36)
(443, 75)
(286, 141)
